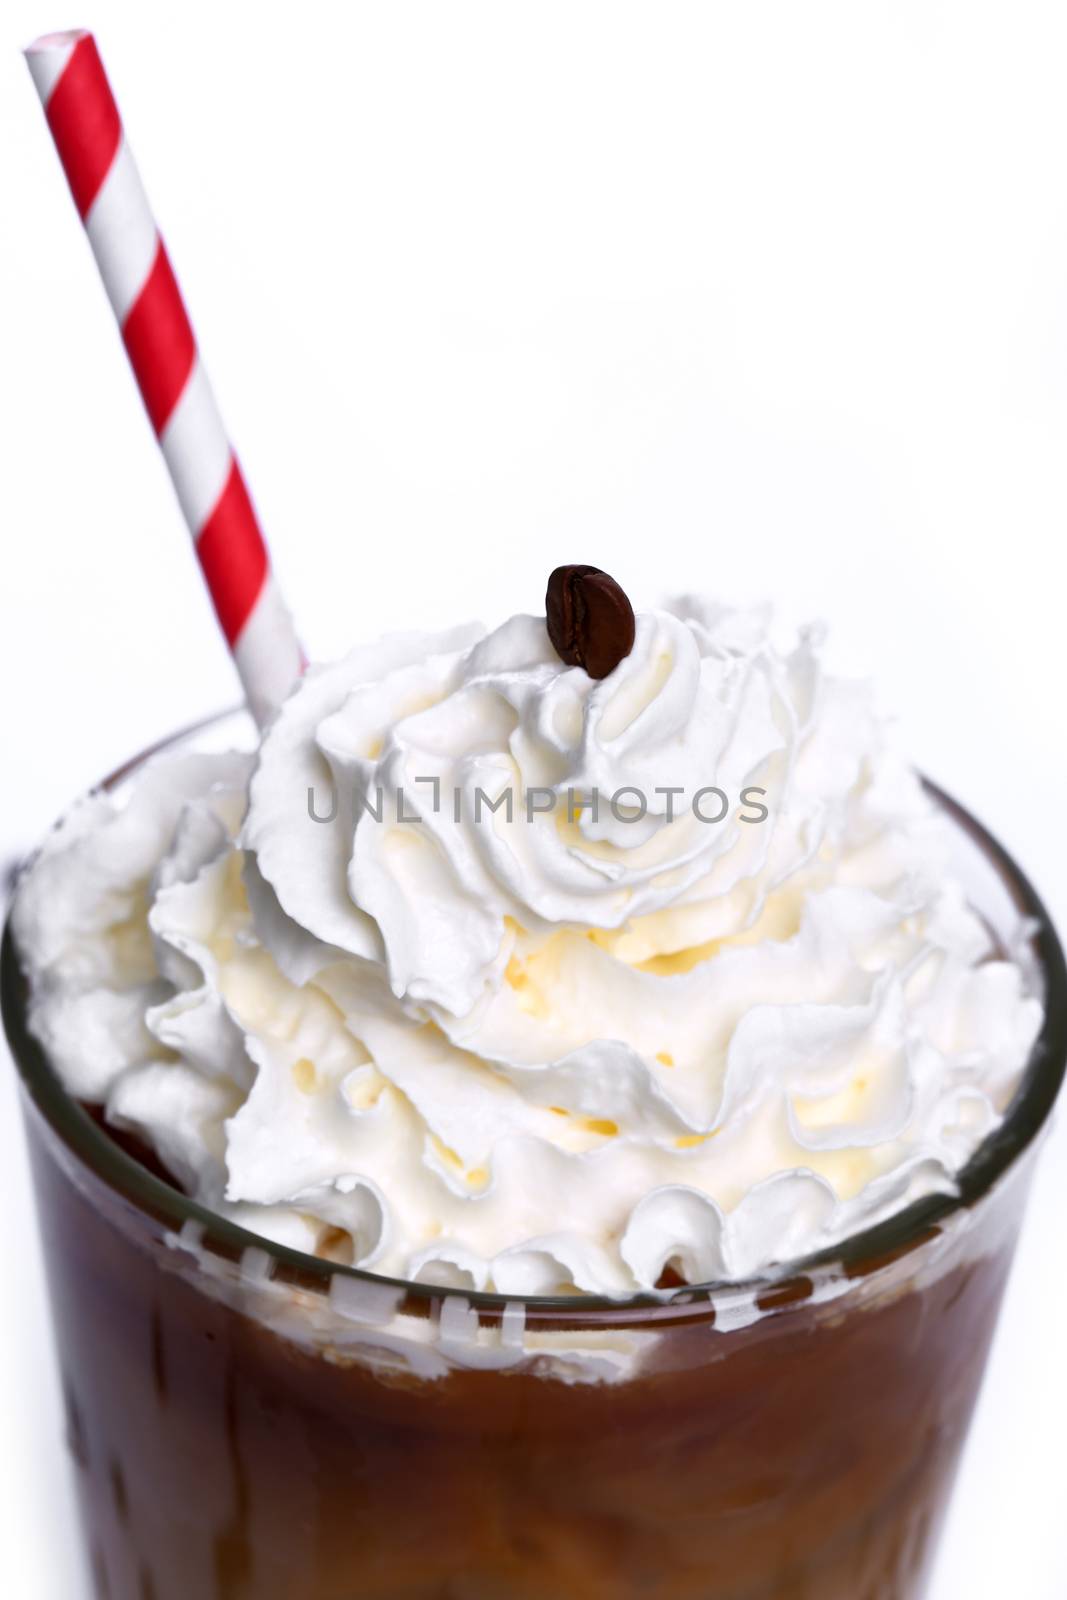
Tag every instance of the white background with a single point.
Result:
(764, 299)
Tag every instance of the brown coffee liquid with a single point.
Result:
(806, 1457)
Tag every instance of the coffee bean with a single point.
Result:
(590, 621)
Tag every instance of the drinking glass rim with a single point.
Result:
(855, 1256)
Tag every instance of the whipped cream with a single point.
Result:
(560, 1045)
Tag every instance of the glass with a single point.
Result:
(250, 1423)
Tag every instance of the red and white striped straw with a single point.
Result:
(159, 340)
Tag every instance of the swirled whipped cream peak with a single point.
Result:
(484, 971)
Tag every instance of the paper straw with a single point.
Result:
(160, 343)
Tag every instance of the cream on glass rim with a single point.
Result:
(365, 998)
